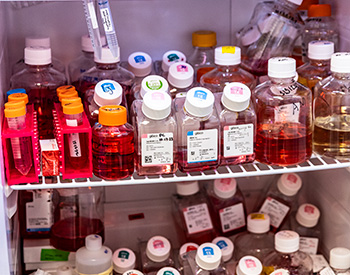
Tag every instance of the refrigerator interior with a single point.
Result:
(136, 212)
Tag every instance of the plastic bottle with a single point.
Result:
(113, 144)
(227, 61)
(191, 213)
(183, 267)
(198, 131)
(319, 26)
(283, 109)
(288, 256)
(258, 240)
(94, 258)
(168, 271)
(227, 206)
(202, 58)
(151, 83)
(331, 127)
(238, 124)
(124, 259)
(156, 132)
(180, 78)
(40, 80)
(249, 265)
(280, 199)
(161, 67)
(339, 261)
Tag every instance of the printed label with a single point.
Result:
(238, 140)
(197, 218)
(309, 209)
(168, 272)
(232, 217)
(106, 20)
(158, 96)
(158, 244)
(173, 57)
(287, 113)
(228, 49)
(291, 89)
(236, 90)
(108, 88)
(276, 210)
(202, 146)
(308, 245)
(182, 68)
(292, 178)
(208, 251)
(92, 15)
(123, 254)
(327, 271)
(249, 263)
(319, 262)
(139, 59)
(200, 94)
(157, 149)
(72, 122)
(257, 216)
(74, 145)
(154, 84)
(222, 244)
(53, 255)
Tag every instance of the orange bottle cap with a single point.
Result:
(72, 108)
(67, 94)
(319, 10)
(70, 100)
(15, 112)
(15, 104)
(204, 39)
(306, 3)
(112, 115)
(18, 97)
(65, 88)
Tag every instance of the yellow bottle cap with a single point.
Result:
(15, 104)
(204, 39)
(18, 97)
(319, 10)
(15, 112)
(70, 100)
(65, 88)
(112, 115)
(72, 108)
(67, 94)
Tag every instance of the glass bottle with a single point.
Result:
(123, 259)
(227, 61)
(156, 131)
(198, 131)
(283, 109)
(180, 78)
(227, 206)
(258, 240)
(331, 112)
(238, 124)
(249, 265)
(112, 144)
(202, 58)
(288, 256)
(161, 67)
(151, 83)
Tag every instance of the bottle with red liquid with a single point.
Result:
(192, 213)
(283, 109)
(113, 144)
(227, 206)
(40, 80)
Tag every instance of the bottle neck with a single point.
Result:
(38, 67)
(203, 48)
(228, 68)
(320, 63)
(102, 66)
(282, 81)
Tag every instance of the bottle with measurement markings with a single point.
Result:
(283, 109)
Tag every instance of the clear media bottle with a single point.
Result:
(227, 206)
(280, 199)
(156, 131)
(238, 124)
(123, 259)
(198, 131)
(249, 265)
(202, 58)
(258, 240)
(283, 109)
(227, 61)
(151, 83)
(191, 213)
(331, 116)
(112, 144)
(40, 80)
(161, 67)
(288, 256)
(180, 78)
(94, 258)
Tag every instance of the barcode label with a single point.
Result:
(157, 148)
(232, 217)
(197, 218)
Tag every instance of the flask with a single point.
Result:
(124, 259)
(180, 78)
(161, 67)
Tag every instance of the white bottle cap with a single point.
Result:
(123, 259)
(250, 36)
(227, 55)
(86, 44)
(199, 102)
(236, 97)
(249, 265)
(187, 247)
(133, 272)
(187, 188)
(280, 271)
(258, 223)
(339, 258)
(208, 256)
(289, 184)
(107, 57)
(38, 41)
(340, 62)
(93, 242)
(281, 67)
(153, 83)
(37, 56)
(226, 246)
(171, 57)
(64, 270)
(296, 2)
(140, 64)
(180, 75)
(168, 271)
(225, 188)
(156, 105)
(287, 241)
(108, 92)
(320, 50)
(307, 215)
(158, 249)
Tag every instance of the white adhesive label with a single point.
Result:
(72, 122)
(308, 245)
(319, 262)
(276, 210)
(287, 113)
(238, 140)
(92, 14)
(157, 149)
(74, 145)
(232, 217)
(327, 271)
(202, 146)
(106, 20)
(197, 218)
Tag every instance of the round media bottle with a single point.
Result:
(180, 78)
(249, 265)
(124, 259)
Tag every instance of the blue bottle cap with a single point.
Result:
(15, 91)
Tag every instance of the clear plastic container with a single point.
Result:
(227, 206)
(156, 131)
(284, 123)
(227, 69)
(151, 83)
(238, 124)
(198, 131)
(161, 67)
(124, 259)
(180, 78)
(249, 265)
